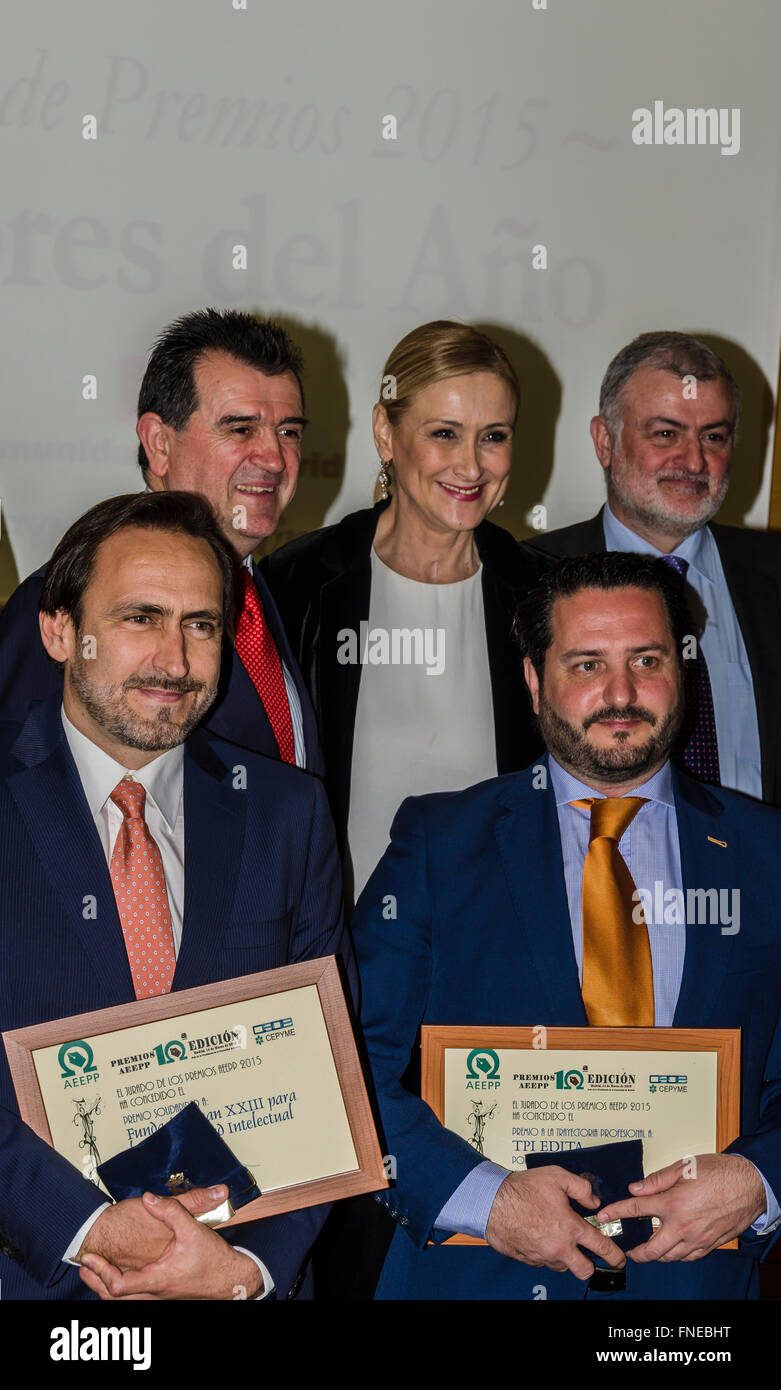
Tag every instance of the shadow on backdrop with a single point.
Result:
(325, 440)
(756, 421)
(327, 406)
(9, 576)
(535, 432)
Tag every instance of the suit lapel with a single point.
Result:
(51, 801)
(584, 538)
(239, 714)
(708, 860)
(344, 604)
(506, 575)
(285, 650)
(213, 848)
(529, 841)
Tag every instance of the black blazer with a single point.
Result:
(321, 583)
(237, 715)
(752, 568)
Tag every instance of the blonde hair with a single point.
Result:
(435, 351)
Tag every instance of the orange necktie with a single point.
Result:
(618, 984)
(142, 897)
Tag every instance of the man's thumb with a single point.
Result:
(169, 1211)
(202, 1199)
(657, 1182)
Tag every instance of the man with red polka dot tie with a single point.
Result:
(220, 413)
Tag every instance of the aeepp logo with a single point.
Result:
(76, 1057)
(482, 1064)
(172, 1051)
(571, 1080)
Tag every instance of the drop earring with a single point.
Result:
(384, 478)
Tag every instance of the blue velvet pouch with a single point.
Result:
(185, 1152)
(609, 1168)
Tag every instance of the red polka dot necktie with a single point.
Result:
(142, 897)
(698, 746)
(258, 654)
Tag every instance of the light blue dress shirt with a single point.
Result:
(722, 645)
(651, 850)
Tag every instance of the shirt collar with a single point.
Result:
(568, 788)
(163, 777)
(696, 549)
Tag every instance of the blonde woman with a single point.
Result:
(400, 615)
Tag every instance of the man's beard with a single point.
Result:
(655, 514)
(107, 705)
(623, 761)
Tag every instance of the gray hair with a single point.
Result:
(667, 352)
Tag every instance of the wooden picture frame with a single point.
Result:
(22, 1044)
(725, 1042)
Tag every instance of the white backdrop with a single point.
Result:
(263, 126)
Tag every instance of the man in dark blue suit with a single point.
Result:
(220, 412)
(115, 808)
(513, 903)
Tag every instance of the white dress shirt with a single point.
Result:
(163, 779)
(419, 727)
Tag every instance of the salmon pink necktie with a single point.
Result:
(142, 897)
(258, 654)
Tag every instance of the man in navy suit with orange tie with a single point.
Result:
(198, 861)
(515, 902)
(220, 413)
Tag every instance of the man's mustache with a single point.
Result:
(185, 686)
(628, 712)
(699, 479)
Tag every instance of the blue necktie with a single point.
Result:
(698, 747)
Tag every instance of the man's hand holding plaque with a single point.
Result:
(532, 1221)
(130, 1236)
(195, 1262)
(702, 1203)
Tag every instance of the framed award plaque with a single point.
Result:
(511, 1092)
(270, 1060)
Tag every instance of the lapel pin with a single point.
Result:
(723, 843)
